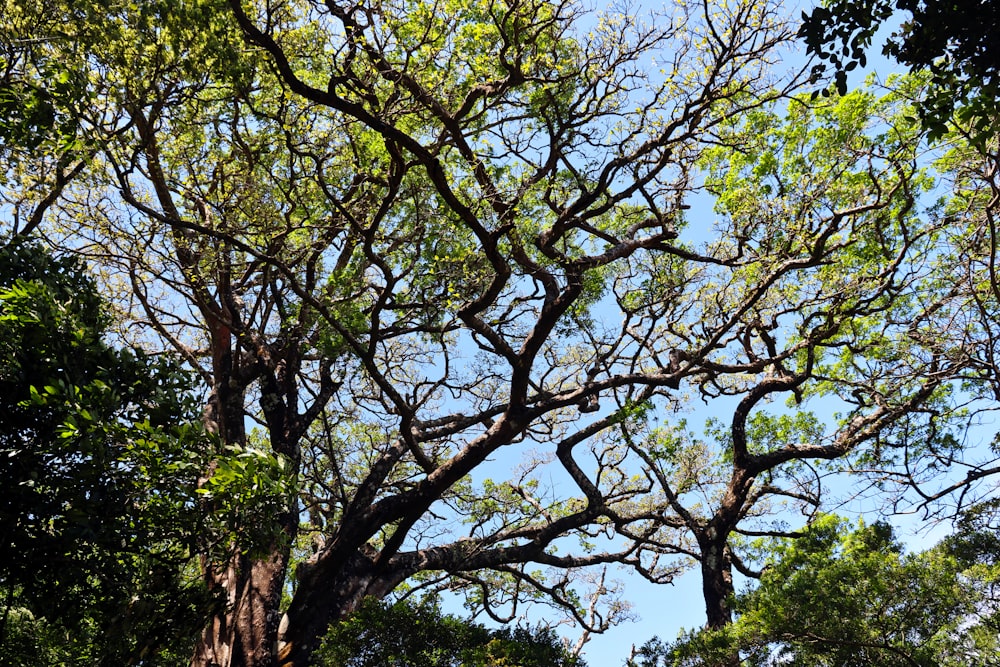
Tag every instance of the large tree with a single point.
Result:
(436, 266)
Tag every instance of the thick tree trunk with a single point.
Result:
(215, 647)
(713, 542)
(258, 611)
(244, 633)
(717, 584)
(328, 590)
(718, 590)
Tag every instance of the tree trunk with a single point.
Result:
(718, 590)
(327, 590)
(244, 633)
(717, 584)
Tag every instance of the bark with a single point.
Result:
(245, 631)
(717, 588)
(257, 615)
(717, 583)
(326, 591)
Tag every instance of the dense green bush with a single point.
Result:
(420, 635)
(100, 452)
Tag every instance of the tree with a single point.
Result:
(957, 43)
(852, 597)
(419, 635)
(407, 242)
(100, 452)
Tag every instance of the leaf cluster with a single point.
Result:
(407, 634)
(955, 42)
(100, 451)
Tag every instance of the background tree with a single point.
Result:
(957, 43)
(100, 451)
(851, 597)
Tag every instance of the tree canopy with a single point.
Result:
(462, 279)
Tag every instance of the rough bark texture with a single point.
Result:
(245, 632)
(325, 596)
(717, 583)
(717, 588)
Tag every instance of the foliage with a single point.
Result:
(100, 451)
(956, 42)
(842, 596)
(453, 277)
(405, 634)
